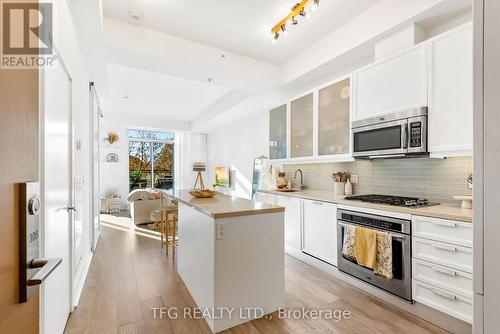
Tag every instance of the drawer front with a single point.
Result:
(452, 256)
(452, 280)
(454, 232)
(265, 198)
(453, 304)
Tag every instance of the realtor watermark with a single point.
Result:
(249, 313)
(27, 34)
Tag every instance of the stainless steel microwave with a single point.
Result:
(395, 135)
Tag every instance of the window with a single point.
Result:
(151, 159)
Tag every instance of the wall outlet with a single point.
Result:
(219, 231)
(354, 178)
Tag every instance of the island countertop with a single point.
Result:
(224, 206)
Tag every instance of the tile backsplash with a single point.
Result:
(435, 179)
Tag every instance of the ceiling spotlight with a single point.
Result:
(315, 5)
(285, 32)
(302, 13)
(293, 21)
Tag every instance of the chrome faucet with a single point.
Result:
(302, 186)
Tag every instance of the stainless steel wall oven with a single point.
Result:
(400, 231)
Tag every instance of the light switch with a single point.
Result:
(354, 178)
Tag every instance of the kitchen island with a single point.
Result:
(231, 257)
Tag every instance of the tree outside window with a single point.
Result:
(151, 159)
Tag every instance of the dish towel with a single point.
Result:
(383, 267)
(366, 247)
(348, 251)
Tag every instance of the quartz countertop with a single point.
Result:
(435, 211)
(224, 206)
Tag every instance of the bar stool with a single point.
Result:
(168, 220)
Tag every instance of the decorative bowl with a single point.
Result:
(205, 193)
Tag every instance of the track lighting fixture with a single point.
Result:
(299, 9)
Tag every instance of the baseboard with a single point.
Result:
(80, 277)
(431, 315)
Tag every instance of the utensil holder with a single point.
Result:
(338, 188)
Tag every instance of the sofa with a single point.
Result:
(143, 202)
(140, 210)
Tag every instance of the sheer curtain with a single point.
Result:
(190, 147)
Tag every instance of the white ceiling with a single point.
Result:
(158, 96)
(239, 26)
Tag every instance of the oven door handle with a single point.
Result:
(396, 236)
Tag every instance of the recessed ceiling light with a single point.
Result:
(125, 97)
(135, 15)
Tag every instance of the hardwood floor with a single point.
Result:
(130, 275)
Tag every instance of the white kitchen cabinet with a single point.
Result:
(293, 214)
(277, 132)
(301, 127)
(442, 265)
(334, 109)
(450, 93)
(392, 84)
(319, 237)
(265, 198)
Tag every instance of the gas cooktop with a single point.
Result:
(411, 202)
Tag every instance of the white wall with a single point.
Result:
(236, 146)
(114, 175)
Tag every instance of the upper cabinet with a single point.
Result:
(333, 119)
(301, 127)
(450, 93)
(277, 132)
(398, 82)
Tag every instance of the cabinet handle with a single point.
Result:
(444, 247)
(317, 203)
(444, 271)
(447, 224)
(444, 294)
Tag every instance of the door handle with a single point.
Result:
(47, 266)
(405, 138)
(70, 208)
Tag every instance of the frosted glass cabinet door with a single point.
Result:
(277, 133)
(301, 127)
(334, 106)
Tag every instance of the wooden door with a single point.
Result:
(19, 160)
